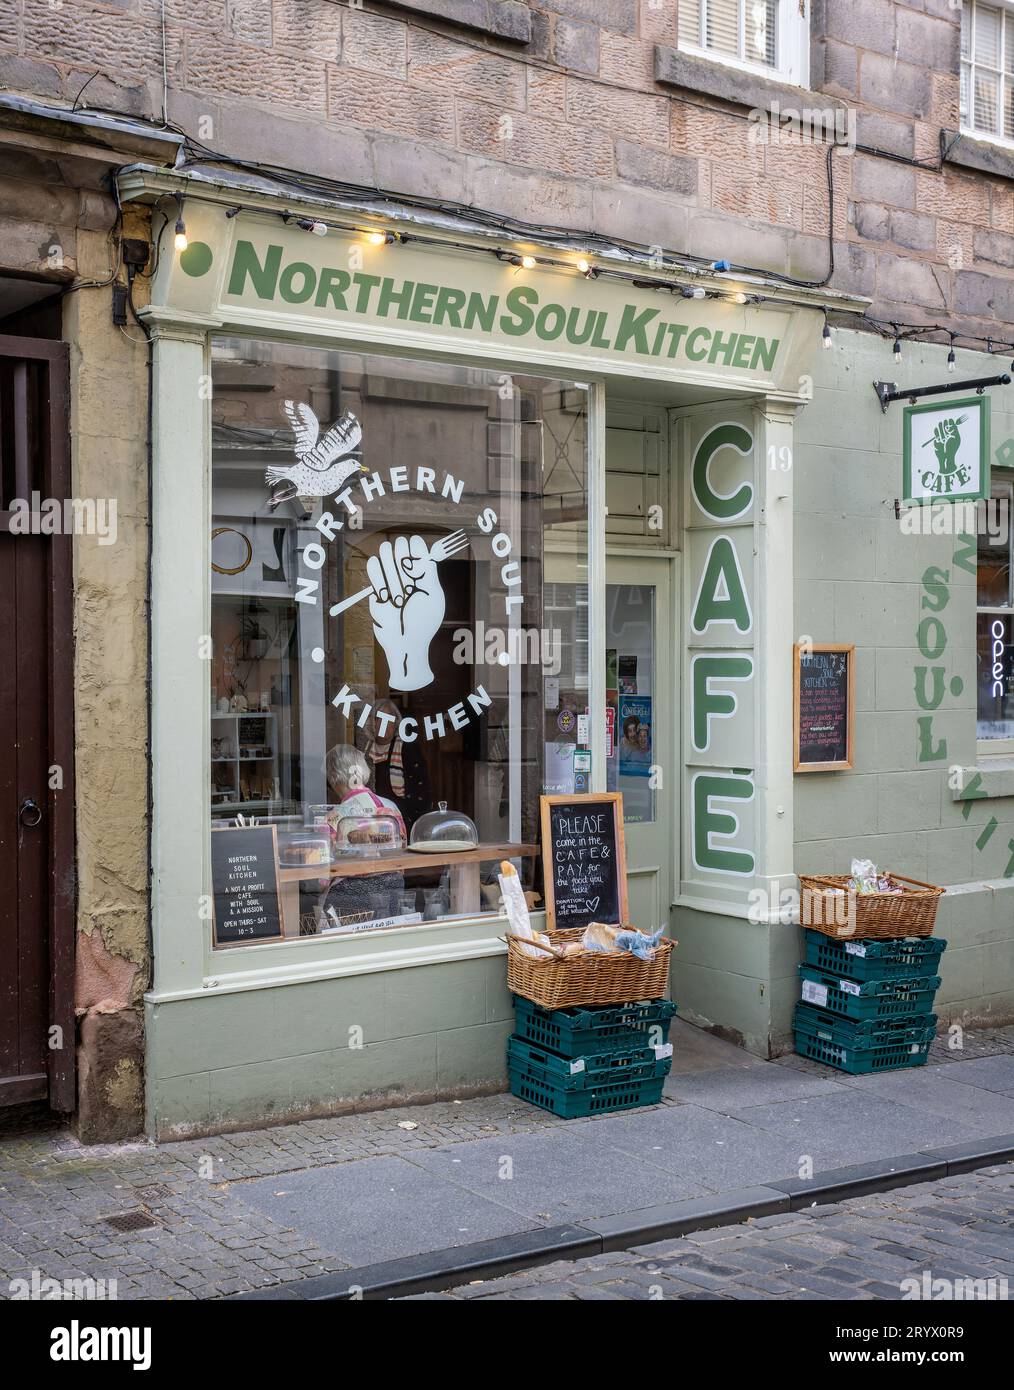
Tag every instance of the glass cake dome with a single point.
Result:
(367, 837)
(442, 832)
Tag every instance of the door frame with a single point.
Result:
(62, 875)
(667, 803)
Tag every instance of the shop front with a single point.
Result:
(440, 526)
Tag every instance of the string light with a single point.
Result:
(526, 261)
(180, 237)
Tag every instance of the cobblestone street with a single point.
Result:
(866, 1248)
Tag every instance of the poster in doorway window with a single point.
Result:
(635, 735)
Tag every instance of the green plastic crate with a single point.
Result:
(863, 1033)
(578, 1031)
(592, 1100)
(872, 998)
(908, 1047)
(875, 960)
(592, 1069)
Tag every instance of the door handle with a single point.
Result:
(30, 813)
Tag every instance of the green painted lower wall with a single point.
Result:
(233, 1061)
(238, 1060)
(739, 978)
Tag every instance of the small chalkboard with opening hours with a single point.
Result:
(823, 700)
(583, 860)
(244, 879)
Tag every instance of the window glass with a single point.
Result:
(993, 668)
(742, 29)
(995, 698)
(399, 624)
(987, 61)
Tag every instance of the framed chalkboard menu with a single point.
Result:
(584, 862)
(244, 881)
(823, 707)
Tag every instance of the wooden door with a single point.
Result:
(36, 734)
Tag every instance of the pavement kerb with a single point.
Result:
(436, 1270)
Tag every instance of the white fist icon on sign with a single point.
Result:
(407, 603)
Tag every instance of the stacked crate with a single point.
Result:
(866, 1005)
(586, 1061)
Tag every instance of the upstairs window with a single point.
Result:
(987, 69)
(769, 36)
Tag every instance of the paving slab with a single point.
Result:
(715, 1149)
(855, 1126)
(558, 1177)
(694, 1051)
(990, 1073)
(379, 1209)
(732, 1088)
(981, 1111)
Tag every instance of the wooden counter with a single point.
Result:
(466, 898)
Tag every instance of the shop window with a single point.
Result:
(399, 621)
(994, 633)
(987, 69)
(766, 35)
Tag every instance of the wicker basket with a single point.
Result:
(911, 912)
(557, 981)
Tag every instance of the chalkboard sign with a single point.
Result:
(823, 706)
(584, 864)
(244, 879)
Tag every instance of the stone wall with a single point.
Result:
(56, 223)
(552, 112)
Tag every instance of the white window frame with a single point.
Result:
(969, 9)
(792, 63)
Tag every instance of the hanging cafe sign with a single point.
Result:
(254, 269)
(946, 451)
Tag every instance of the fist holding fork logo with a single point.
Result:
(407, 603)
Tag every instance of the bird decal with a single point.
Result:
(324, 462)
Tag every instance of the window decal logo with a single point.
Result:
(405, 593)
(323, 463)
(407, 603)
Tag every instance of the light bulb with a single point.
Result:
(528, 262)
(826, 337)
(180, 239)
(951, 359)
(584, 266)
(737, 297)
(897, 350)
(720, 265)
(380, 238)
(694, 292)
